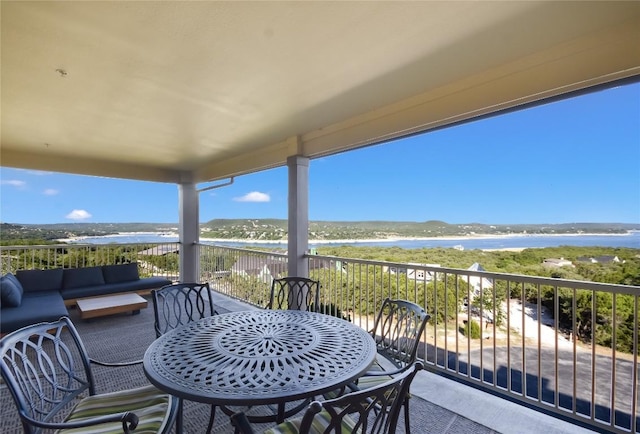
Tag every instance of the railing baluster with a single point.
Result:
(614, 347)
(574, 309)
(594, 307)
(523, 328)
(634, 371)
(539, 349)
(508, 290)
(556, 315)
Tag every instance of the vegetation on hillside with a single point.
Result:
(594, 312)
(276, 229)
(17, 234)
(527, 262)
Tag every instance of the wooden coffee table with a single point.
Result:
(93, 307)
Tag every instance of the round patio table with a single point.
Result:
(259, 357)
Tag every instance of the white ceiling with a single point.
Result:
(177, 91)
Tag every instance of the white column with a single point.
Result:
(298, 222)
(189, 227)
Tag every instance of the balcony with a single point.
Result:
(525, 369)
(121, 112)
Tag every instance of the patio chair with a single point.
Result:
(397, 330)
(179, 304)
(48, 373)
(299, 293)
(373, 410)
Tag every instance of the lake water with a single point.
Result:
(631, 240)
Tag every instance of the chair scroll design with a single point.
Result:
(374, 410)
(297, 293)
(396, 331)
(179, 304)
(47, 370)
(176, 305)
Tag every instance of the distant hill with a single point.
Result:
(49, 232)
(276, 229)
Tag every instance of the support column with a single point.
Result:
(189, 229)
(298, 221)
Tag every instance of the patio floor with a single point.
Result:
(440, 405)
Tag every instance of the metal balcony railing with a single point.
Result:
(566, 347)
(243, 274)
(154, 259)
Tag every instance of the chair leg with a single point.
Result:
(179, 419)
(280, 415)
(212, 416)
(407, 425)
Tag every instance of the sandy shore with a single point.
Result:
(394, 239)
(120, 234)
(170, 234)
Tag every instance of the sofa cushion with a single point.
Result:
(40, 280)
(151, 282)
(31, 310)
(80, 277)
(120, 273)
(10, 291)
(143, 284)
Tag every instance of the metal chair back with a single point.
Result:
(397, 331)
(47, 370)
(45, 367)
(179, 304)
(374, 410)
(295, 293)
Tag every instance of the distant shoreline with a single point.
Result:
(393, 239)
(352, 241)
(119, 234)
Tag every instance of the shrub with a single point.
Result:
(471, 330)
(333, 310)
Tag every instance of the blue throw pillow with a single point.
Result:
(10, 291)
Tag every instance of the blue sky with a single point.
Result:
(575, 160)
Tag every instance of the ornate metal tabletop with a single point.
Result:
(259, 357)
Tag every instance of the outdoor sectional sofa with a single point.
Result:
(32, 296)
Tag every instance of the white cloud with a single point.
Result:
(50, 192)
(14, 183)
(254, 196)
(78, 214)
